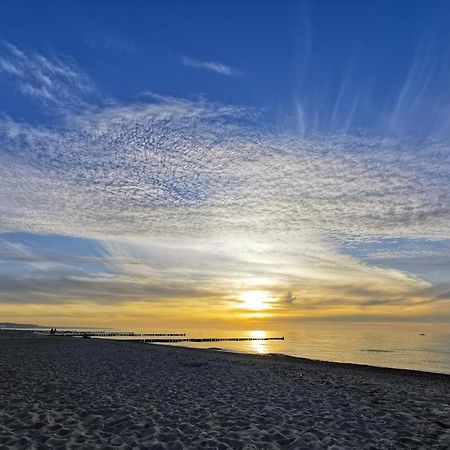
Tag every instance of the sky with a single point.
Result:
(234, 164)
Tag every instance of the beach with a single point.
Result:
(63, 392)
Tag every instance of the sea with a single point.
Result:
(414, 346)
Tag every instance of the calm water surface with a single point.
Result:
(410, 346)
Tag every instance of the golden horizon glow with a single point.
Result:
(143, 316)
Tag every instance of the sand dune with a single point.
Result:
(58, 392)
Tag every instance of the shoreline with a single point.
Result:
(293, 358)
(322, 361)
(105, 393)
(265, 355)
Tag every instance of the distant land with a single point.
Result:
(19, 325)
(31, 325)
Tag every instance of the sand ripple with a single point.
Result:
(73, 393)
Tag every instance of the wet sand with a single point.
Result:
(62, 392)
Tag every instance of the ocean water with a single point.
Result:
(406, 346)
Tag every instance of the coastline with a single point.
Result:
(61, 391)
(293, 358)
(352, 361)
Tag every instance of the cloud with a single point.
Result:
(195, 199)
(410, 98)
(183, 167)
(216, 67)
(176, 272)
(53, 81)
(289, 298)
(30, 272)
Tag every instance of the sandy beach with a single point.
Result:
(60, 392)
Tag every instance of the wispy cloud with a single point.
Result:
(49, 79)
(414, 103)
(147, 270)
(216, 67)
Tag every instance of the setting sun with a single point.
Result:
(255, 300)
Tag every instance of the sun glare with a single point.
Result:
(255, 300)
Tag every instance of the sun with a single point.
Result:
(255, 300)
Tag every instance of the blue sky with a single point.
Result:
(365, 59)
(183, 153)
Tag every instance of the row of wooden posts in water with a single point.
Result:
(110, 333)
(175, 340)
(160, 338)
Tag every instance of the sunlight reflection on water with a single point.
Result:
(410, 346)
(258, 346)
